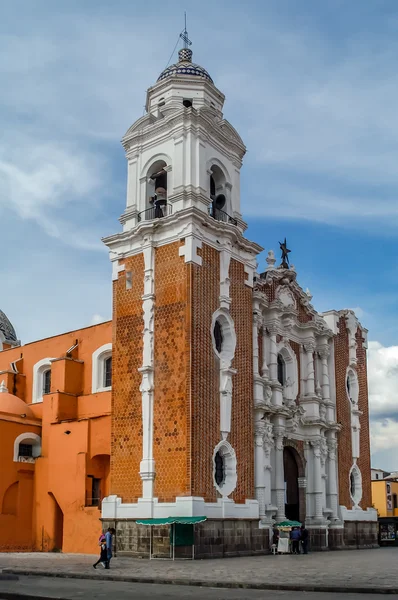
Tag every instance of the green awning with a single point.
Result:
(288, 523)
(171, 520)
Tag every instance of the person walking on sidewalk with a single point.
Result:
(103, 553)
(304, 539)
(108, 541)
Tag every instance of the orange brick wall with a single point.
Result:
(343, 411)
(171, 445)
(242, 433)
(363, 405)
(205, 373)
(126, 447)
(344, 417)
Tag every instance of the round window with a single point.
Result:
(218, 337)
(223, 335)
(224, 468)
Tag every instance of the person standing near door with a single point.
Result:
(304, 539)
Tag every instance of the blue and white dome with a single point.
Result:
(7, 329)
(185, 68)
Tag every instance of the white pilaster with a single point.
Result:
(147, 465)
(332, 493)
(279, 474)
(317, 482)
(309, 356)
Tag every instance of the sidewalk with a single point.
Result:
(356, 571)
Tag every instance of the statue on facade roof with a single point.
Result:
(285, 254)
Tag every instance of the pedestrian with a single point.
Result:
(275, 540)
(108, 541)
(295, 536)
(304, 539)
(103, 559)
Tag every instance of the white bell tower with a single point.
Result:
(183, 154)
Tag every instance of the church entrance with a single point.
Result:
(292, 497)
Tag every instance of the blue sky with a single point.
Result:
(312, 89)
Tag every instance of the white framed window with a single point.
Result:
(102, 369)
(355, 485)
(27, 447)
(224, 468)
(41, 379)
(223, 336)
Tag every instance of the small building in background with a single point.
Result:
(385, 501)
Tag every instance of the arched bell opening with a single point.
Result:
(157, 189)
(219, 194)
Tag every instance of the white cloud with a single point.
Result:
(383, 396)
(96, 319)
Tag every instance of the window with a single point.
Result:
(27, 447)
(102, 369)
(46, 381)
(219, 469)
(218, 339)
(352, 386)
(377, 476)
(281, 370)
(25, 450)
(352, 484)
(187, 103)
(224, 468)
(348, 387)
(223, 335)
(394, 501)
(108, 372)
(41, 379)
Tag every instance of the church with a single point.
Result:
(216, 390)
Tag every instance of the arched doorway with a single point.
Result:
(292, 497)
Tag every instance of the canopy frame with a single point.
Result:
(172, 521)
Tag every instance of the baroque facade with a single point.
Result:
(229, 397)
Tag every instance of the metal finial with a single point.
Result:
(184, 34)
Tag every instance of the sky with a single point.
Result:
(312, 88)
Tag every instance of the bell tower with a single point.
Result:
(182, 424)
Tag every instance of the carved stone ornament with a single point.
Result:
(322, 411)
(285, 297)
(268, 436)
(279, 441)
(267, 394)
(324, 450)
(297, 417)
(332, 447)
(316, 446)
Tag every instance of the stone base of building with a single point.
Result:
(212, 539)
(318, 539)
(360, 534)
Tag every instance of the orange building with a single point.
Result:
(55, 406)
(216, 391)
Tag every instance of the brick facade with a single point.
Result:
(126, 446)
(343, 410)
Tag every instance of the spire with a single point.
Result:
(185, 54)
(3, 387)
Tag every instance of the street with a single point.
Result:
(72, 589)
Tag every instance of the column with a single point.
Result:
(316, 448)
(309, 359)
(332, 493)
(259, 479)
(256, 322)
(303, 368)
(268, 443)
(279, 474)
(324, 354)
(273, 355)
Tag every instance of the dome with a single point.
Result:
(7, 329)
(13, 405)
(185, 68)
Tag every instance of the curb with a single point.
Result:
(8, 577)
(198, 583)
(22, 596)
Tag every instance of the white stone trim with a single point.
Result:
(189, 250)
(231, 476)
(27, 437)
(351, 374)
(224, 508)
(229, 336)
(98, 363)
(357, 497)
(38, 371)
(357, 514)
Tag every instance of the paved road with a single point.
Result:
(351, 569)
(72, 589)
